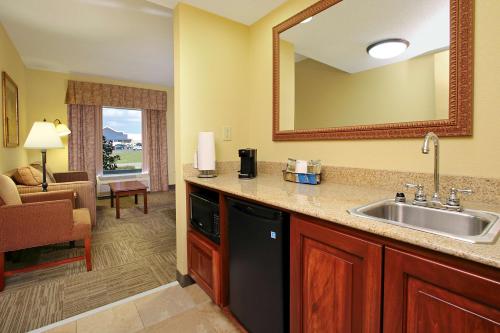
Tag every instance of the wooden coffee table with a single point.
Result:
(124, 189)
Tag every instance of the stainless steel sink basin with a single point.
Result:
(472, 226)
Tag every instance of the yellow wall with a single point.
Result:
(213, 60)
(211, 57)
(328, 97)
(287, 85)
(474, 156)
(442, 83)
(46, 97)
(42, 95)
(11, 62)
(223, 77)
(180, 188)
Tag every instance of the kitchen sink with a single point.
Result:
(472, 226)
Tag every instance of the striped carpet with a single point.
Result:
(130, 255)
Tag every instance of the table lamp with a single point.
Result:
(61, 129)
(43, 136)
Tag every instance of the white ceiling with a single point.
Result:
(340, 35)
(243, 11)
(121, 39)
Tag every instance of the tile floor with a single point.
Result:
(174, 309)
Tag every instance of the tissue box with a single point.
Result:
(313, 166)
(302, 178)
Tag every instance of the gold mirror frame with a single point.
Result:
(6, 79)
(459, 122)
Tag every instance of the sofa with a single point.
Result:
(77, 181)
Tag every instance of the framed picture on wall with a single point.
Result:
(10, 97)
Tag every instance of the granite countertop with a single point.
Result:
(330, 202)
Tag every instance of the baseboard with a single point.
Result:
(184, 280)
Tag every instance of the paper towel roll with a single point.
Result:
(206, 151)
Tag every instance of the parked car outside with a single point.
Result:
(137, 146)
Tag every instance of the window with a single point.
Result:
(122, 140)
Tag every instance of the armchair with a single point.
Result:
(38, 219)
(77, 181)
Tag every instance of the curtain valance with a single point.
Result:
(89, 93)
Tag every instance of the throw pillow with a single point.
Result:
(28, 176)
(50, 175)
(8, 191)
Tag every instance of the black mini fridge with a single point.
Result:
(259, 266)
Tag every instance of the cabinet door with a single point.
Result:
(422, 295)
(335, 280)
(204, 264)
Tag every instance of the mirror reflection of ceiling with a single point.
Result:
(355, 24)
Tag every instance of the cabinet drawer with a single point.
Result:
(204, 264)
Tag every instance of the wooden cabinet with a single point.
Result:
(423, 295)
(335, 281)
(204, 264)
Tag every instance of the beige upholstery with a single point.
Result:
(85, 194)
(42, 219)
(8, 191)
(81, 223)
(71, 176)
(28, 176)
(50, 174)
(77, 181)
(49, 196)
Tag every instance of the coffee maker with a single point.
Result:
(248, 167)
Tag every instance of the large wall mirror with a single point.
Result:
(361, 69)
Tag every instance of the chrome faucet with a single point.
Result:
(425, 150)
(453, 202)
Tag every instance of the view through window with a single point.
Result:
(122, 140)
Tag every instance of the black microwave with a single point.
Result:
(204, 208)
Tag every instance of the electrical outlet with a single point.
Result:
(227, 134)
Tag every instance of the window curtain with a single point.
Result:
(89, 93)
(85, 140)
(85, 101)
(154, 148)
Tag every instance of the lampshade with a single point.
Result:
(62, 130)
(43, 135)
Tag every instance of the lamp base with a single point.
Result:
(44, 171)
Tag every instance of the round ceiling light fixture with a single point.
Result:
(388, 48)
